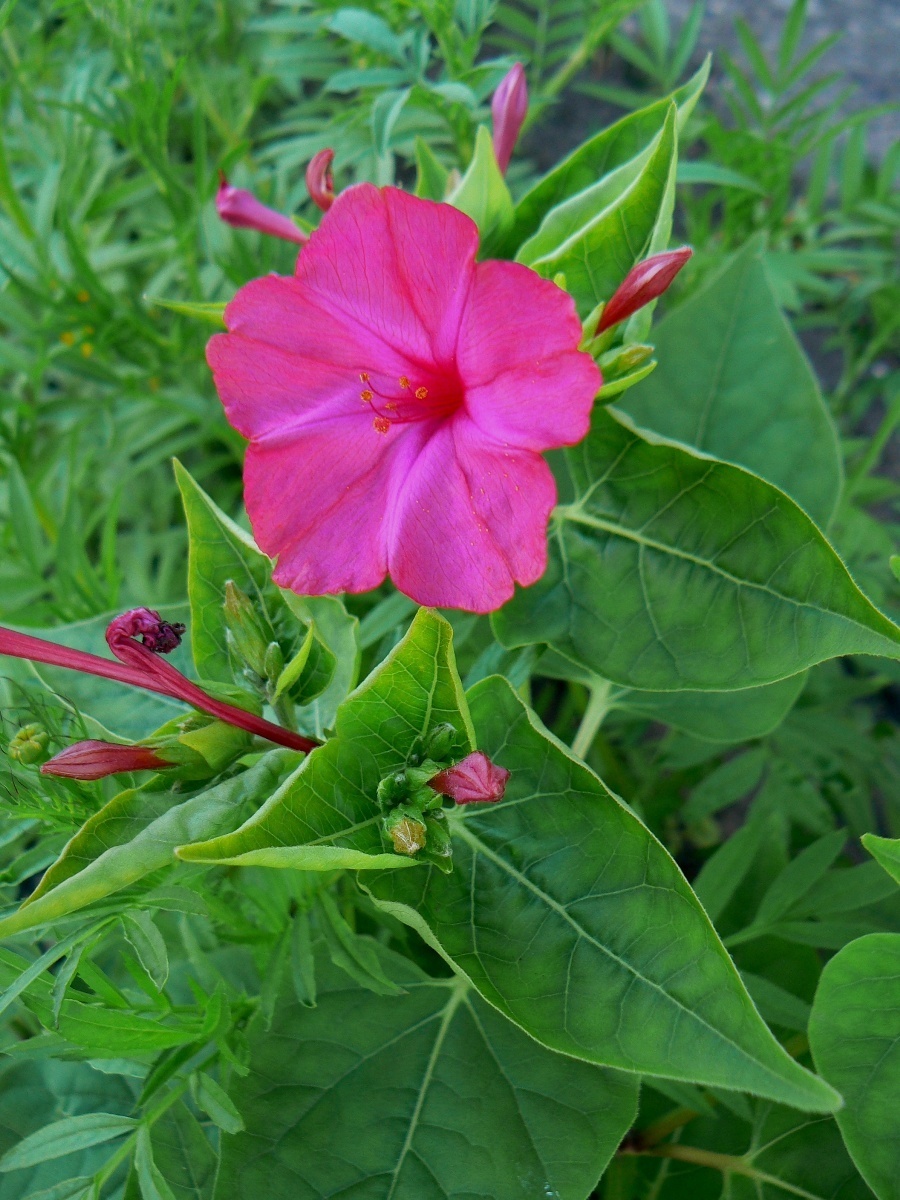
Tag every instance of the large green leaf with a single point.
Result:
(854, 1034)
(422, 1096)
(596, 237)
(734, 382)
(136, 833)
(569, 916)
(603, 153)
(183, 1155)
(326, 815)
(885, 851)
(674, 571)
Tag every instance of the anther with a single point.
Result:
(421, 393)
(404, 382)
(366, 395)
(381, 424)
(364, 377)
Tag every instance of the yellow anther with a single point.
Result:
(421, 393)
(404, 382)
(392, 407)
(366, 395)
(364, 377)
(381, 424)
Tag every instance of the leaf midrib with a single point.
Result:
(476, 844)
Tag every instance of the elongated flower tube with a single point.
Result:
(93, 759)
(642, 284)
(475, 780)
(508, 108)
(320, 181)
(140, 667)
(240, 208)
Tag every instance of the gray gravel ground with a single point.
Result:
(868, 52)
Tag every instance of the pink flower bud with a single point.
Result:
(642, 284)
(320, 181)
(96, 760)
(475, 780)
(241, 209)
(508, 108)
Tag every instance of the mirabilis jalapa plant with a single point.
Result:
(532, 950)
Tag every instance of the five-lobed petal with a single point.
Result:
(397, 395)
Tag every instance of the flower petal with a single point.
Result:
(470, 521)
(525, 380)
(396, 265)
(319, 501)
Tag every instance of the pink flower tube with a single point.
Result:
(475, 780)
(140, 667)
(319, 180)
(240, 208)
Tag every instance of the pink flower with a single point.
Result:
(319, 180)
(95, 760)
(475, 780)
(508, 108)
(642, 284)
(397, 396)
(241, 209)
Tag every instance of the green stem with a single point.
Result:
(594, 715)
(727, 1164)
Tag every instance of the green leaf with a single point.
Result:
(326, 815)
(136, 833)
(673, 571)
(482, 193)
(465, 1104)
(885, 851)
(385, 113)
(148, 944)
(338, 634)
(65, 1137)
(217, 1105)
(219, 551)
(356, 956)
(597, 236)
(568, 916)
(854, 1034)
(694, 171)
(213, 312)
(182, 1154)
(597, 157)
(152, 1182)
(745, 391)
(801, 873)
(431, 175)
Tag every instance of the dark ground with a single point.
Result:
(868, 55)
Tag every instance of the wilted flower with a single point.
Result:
(508, 109)
(475, 780)
(141, 666)
(92, 759)
(642, 284)
(240, 208)
(397, 396)
(319, 180)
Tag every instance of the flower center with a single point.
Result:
(407, 400)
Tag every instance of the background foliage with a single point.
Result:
(128, 1028)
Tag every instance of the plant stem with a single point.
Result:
(727, 1164)
(597, 708)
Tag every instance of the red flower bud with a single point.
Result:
(320, 181)
(241, 209)
(508, 108)
(642, 284)
(475, 780)
(96, 760)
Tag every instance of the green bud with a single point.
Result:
(623, 359)
(407, 834)
(29, 745)
(244, 629)
(440, 742)
(393, 789)
(273, 662)
(438, 845)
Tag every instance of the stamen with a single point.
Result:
(421, 393)
(381, 424)
(366, 395)
(404, 383)
(364, 377)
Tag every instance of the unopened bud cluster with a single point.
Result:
(413, 799)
